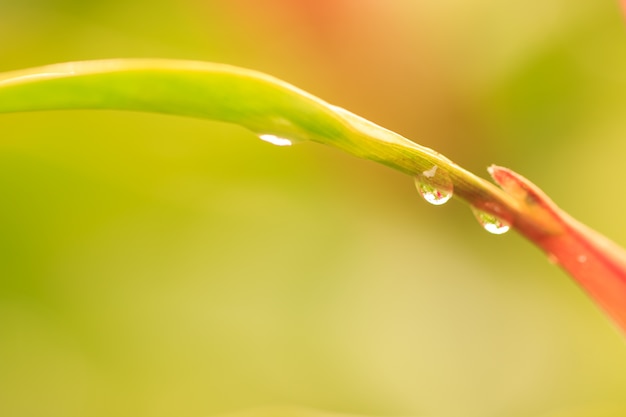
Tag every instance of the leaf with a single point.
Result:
(268, 106)
(258, 102)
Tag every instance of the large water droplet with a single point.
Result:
(489, 222)
(276, 140)
(436, 188)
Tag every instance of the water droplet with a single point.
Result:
(582, 258)
(436, 188)
(489, 222)
(275, 140)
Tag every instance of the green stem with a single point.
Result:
(266, 105)
(258, 102)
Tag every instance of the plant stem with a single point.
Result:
(268, 106)
(595, 262)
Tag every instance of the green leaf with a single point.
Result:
(268, 106)
(255, 101)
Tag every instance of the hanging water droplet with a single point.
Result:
(436, 188)
(489, 222)
(275, 140)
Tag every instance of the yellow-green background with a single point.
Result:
(161, 266)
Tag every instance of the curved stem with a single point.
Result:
(258, 102)
(597, 264)
(268, 106)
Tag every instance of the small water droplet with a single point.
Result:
(275, 140)
(436, 188)
(582, 258)
(489, 222)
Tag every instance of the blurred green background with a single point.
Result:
(161, 266)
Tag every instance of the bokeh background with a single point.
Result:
(160, 266)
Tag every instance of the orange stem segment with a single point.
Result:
(595, 262)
